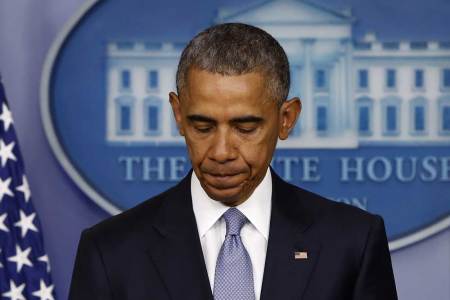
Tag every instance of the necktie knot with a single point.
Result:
(234, 221)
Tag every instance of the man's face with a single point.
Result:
(231, 126)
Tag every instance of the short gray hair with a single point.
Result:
(235, 49)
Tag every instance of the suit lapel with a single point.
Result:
(175, 250)
(286, 277)
(175, 247)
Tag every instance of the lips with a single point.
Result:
(223, 174)
(224, 181)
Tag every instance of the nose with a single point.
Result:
(223, 148)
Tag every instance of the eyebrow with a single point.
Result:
(200, 118)
(247, 119)
(243, 119)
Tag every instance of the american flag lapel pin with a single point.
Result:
(301, 255)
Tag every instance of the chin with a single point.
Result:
(229, 198)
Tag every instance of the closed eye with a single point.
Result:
(247, 124)
(203, 129)
(246, 130)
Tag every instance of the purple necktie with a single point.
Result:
(233, 278)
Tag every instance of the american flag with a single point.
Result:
(24, 265)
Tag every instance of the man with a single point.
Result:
(232, 229)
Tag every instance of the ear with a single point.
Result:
(176, 109)
(289, 112)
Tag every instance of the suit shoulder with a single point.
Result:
(123, 223)
(324, 208)
(334, 223)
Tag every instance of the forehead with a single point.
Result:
(226, 95)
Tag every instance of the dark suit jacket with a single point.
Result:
(153, 251)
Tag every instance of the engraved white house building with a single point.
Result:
(354, 92)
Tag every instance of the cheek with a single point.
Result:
(257, 154)
(197, 150)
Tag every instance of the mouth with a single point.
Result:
(220, 175)
(223, 181)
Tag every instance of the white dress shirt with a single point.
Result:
(255, 234)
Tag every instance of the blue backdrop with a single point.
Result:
(28, 28)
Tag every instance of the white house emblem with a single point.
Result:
(374, 131)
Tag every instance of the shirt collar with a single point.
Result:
(256, 208)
